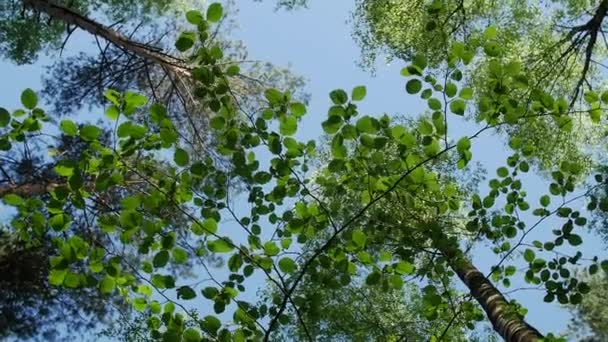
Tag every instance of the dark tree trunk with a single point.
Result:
(70, 17)
(509, 325)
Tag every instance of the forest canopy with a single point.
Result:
(191, 208)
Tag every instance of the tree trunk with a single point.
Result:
(70, 17)
(28, 189)
(510, 326)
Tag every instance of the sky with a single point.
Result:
(316, 42)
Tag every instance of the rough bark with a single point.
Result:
(510, 326)
(70, 17)
(28, 189)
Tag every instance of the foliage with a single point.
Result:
(357, 312)
(29, 303)
(548, 40)
(79, 82)
(384, 210)
(592, 311)
(25, 33)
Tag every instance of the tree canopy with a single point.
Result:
(367, 234)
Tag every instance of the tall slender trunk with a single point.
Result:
(62, 13)
(509, 325)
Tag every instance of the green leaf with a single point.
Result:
(233, 70)
(140, 304)
(338, 96)
(529, 255)
(107, 285)
(425, 127)
(545, 200)
(161, 259)
(186, 293)
(218, 123)
(64, 169)
(194, 17)
(359, 93)
(574, 240)
(458, 107)
(404, 268)
(211, 324)
(271, 249)
(332, 124)
(12, 200)
(285, 243)
(466, 93)
(133, 101)
(71, 280)
(373, 278)
(144, 290)
(219, 246)
(420, 61)
(591, 96)
(298, 109)
(464, 144)
(433, 148)
(56, 277)
(490, 33)
(113, 96)
(68, 127)
(209, 292)
(492, 49)
(359, 238)
(502, 171)
(604, 97)
(413, 86)
(59, 222)
(288, 125)
(595, 114)
(367, 124)
(239, 336)
(185, 41)
(273, 96)
(396, 282)
(29, 99)
(287, 265)
(5, 117)
(338, 149)
(90, 132)
(434, 103)
(215, 12)
(181, 157)
(158, 112)
(191, 335)
(180, 255)
(112, 112)
(426, 93)
(451, 89)
(262, 177)
(210, 226)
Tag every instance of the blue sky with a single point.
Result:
(317, 43)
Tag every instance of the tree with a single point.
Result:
(358, 312)
(332, 304)
(554, 42)
(81, 81)
(29, 27)
(592, 312)
(29, 303)
(290, 207)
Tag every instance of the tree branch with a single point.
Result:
(70, 17)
